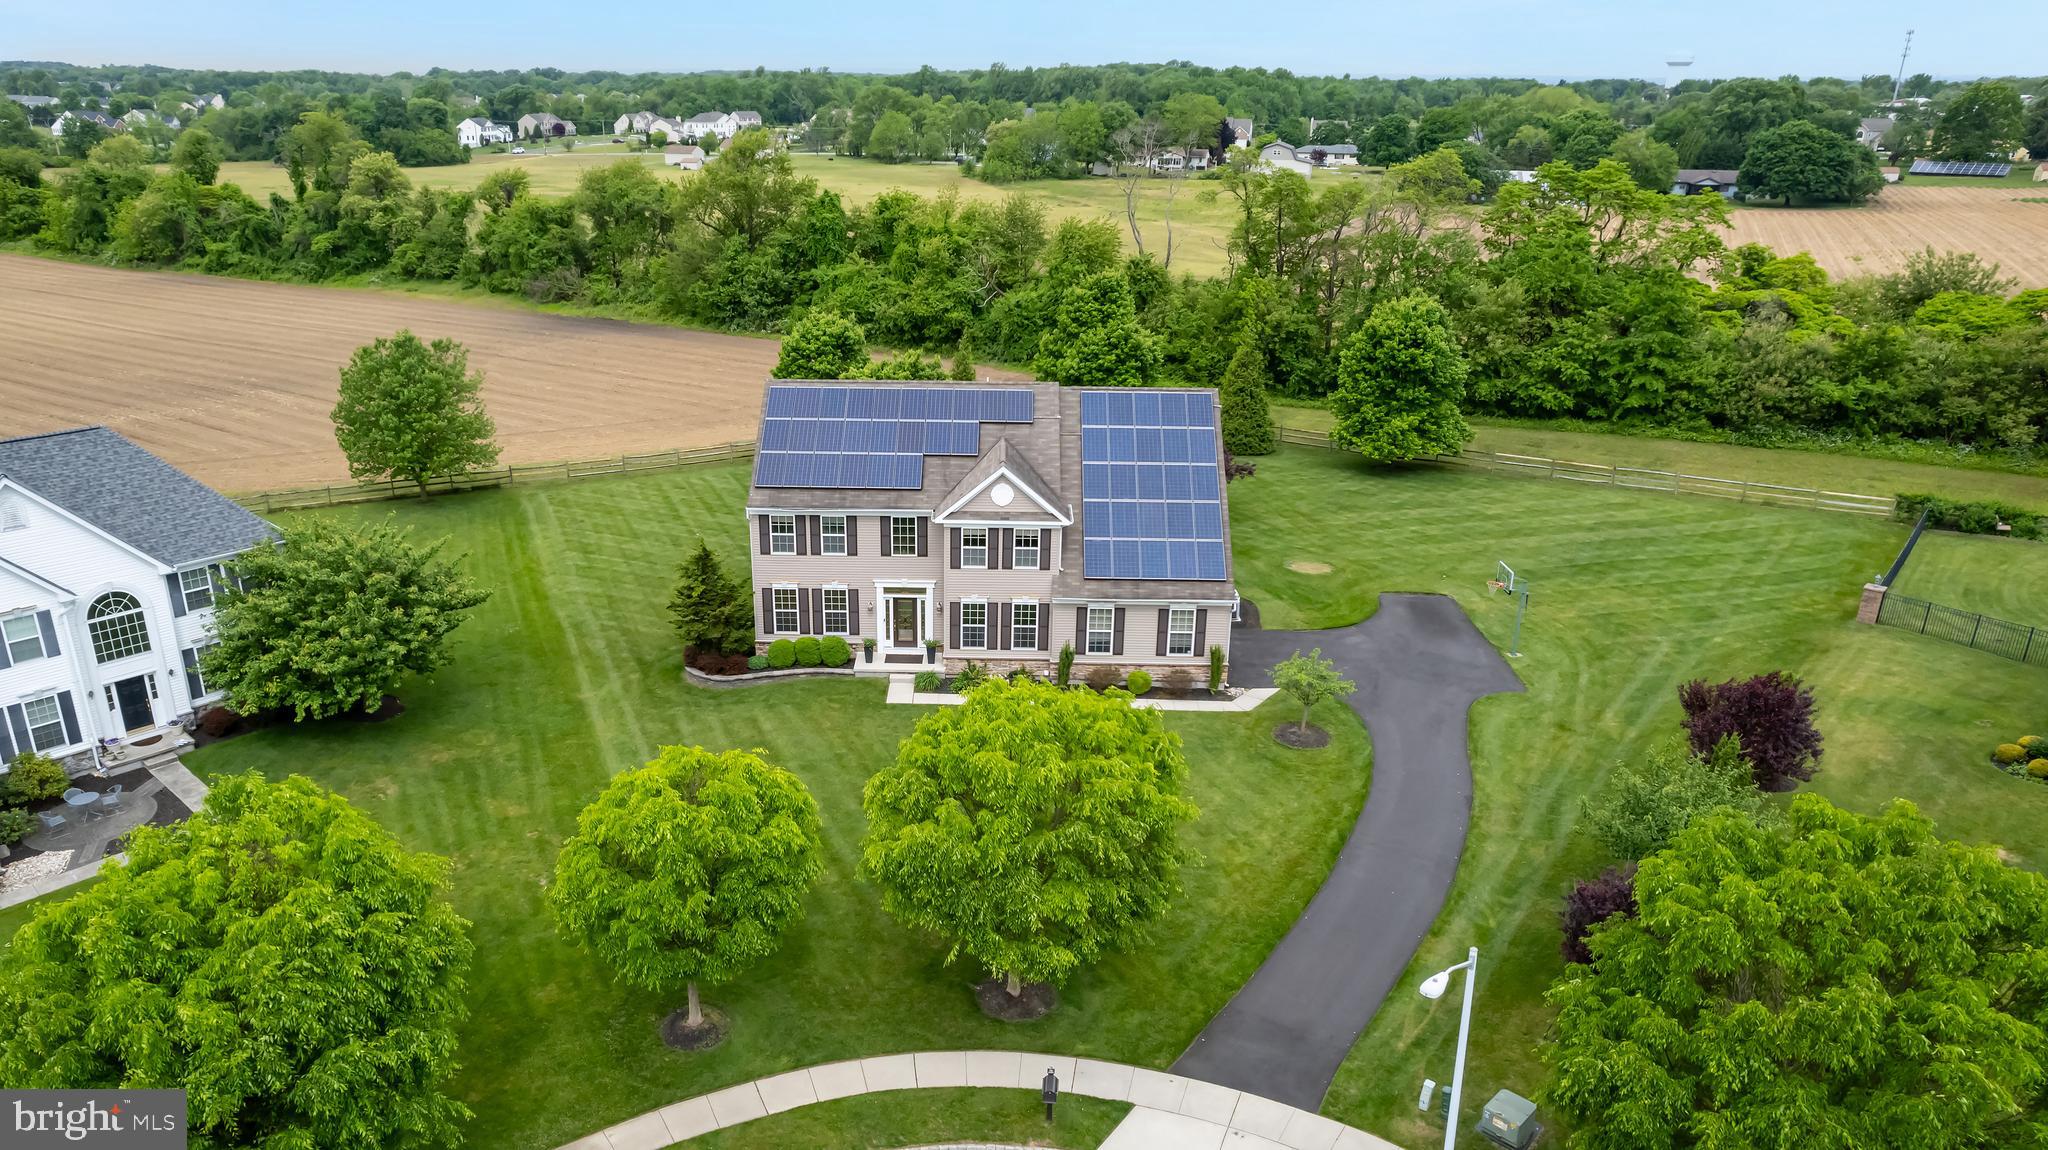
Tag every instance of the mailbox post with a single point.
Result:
(1049, 1090)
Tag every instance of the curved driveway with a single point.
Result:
(1419, 664)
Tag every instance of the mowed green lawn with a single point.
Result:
(1633, 594)
(1983, 573)
(926, 1118)
(571, 673)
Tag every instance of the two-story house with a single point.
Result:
(1004, 522)
(109, 562)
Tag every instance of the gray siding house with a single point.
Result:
(1002, 521)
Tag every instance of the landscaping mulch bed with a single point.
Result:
(1034, 1002)
(679, 1035)
(386, 711)
(1309, 739)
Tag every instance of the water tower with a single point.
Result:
(1676, 63)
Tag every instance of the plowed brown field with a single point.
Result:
(1996, 223)
(233, 380)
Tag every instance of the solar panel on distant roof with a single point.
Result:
(1151, 497)
(1988, 168)
(863, 435)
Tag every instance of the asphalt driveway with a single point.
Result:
(1419, 664)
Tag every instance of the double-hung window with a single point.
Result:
(1024, 626)
(973, 625)
(903, 535)
(782, 534)
(1101, 630)
(835, 611)
(198, 661)
(785, 610)
(974, 547)
(1024, 551)
(24, 638)
(45, 722)
(198, 587)
(1180, 631)
(832, 535)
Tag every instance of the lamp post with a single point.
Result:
(1433, 988)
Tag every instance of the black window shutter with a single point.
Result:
(1002, 611)
(923, 542)
(191, 658)
(1044, 627)
(177, 591)
(852, 535)
(1081, 629)
(764, 533)
(953, 543)
(70, 714)
(1009, 550)
(1159, 646)
(5, 660)
(953, 625)
(852, 604)
(1116, 641)
(18, 719)
(7, 748)
(49, 629)
(803, 610)
(803, 535)
(1202, 631)
(767, 610)
(817, 534)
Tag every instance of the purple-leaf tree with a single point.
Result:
(1772, 715)
(1595, 900)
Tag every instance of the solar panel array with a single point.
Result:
(1960, 168)
(1151, 490)
(819, 435)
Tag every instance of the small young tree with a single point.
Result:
(1644, 805)
(333, 619)
(1310, 679)
(711, 609)
(993, 828)
(963, 362)
(1247, 418)
(689, 869)
(1771, 714)
(197, 154)
(1400, 380)
(1593, 901)
(411, 410)
(823, 345)
(278, 956)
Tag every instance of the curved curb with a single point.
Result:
(1169, 1111)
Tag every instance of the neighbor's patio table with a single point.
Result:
(83, 798)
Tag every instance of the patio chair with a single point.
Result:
(51, 820)
(71, 791)
(110, 800)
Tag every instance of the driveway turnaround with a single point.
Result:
(1419, 664)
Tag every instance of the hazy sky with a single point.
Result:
(1550, 39)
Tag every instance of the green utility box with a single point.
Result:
(1509, 1120)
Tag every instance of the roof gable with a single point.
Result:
(973, 497)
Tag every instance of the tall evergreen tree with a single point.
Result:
(711, 609)
(1247, 418)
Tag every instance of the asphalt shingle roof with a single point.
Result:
(98, 475)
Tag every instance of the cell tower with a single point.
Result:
(1677, 63)
(1900, 79)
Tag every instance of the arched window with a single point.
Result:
(117, 627)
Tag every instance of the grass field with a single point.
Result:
(2003, 577)
(925, 1118)
(1834, 471)
(1634, 593)
(570, 673)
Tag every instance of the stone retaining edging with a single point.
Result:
(903, 689)
(1169, 1112)
(753, 677)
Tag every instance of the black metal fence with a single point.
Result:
(2015, 641)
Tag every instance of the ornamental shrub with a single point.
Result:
(807, 652)
(1102, 677)
(757, 662)
(2038, 769)
(1138, 682)
(927, 682)
(1178, 679)
(971, 676)
(833, 651)
(2008, 754)
(15, 823)
(1593, 901)
(1216, 667)
(34, 778)
(1978, 517)
(1773, 716)
(2035, 744)
(1066, 665)
(781, 655)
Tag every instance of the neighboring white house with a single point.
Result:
(1328, 155)
(1240, 128)
(477, 131)
(704, 124)
(65, 119)
(633, 122)
(33, 101)
(544, 124)
(136, 117)
(673, 129)
(741, 121)
(1697, 181)
(1281, 156)
(688, 157)
(1870, 132)
(109, 562)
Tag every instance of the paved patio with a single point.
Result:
(87, 830)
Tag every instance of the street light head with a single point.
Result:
(1434, 986)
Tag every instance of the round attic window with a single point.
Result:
(1003, 494)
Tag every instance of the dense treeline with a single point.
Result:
(1582, 295)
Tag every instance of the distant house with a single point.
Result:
(741, 121)
(1198, 159)
(1239, 129)
(633, 122)
(1890, 173)
(673, 129)
(1694, 181)
(1521, 175)
(1281, 156)
(136, 117)
(34, 101)
(1871, 131)
(688, 157)
(477, 131)
(1170, 160)
(545, 125)
(66, 119)
(1329, 155)
(704, 124)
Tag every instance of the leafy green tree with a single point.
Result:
(411, 410)
(1801, 162)
(1247, 417)
(630, 212)
(893, 140)
(278, 956)
(1096, 340)
(317, 152)
(1653, 164)
(689, 869)
(750, 193)
(1440, 126)
(1034, 828)
(81, 136)
(15, 130)
(1829, 980)
(1391, 140)
(963, 362)
(823, 345)
(1192, 120)
(1586, 136)
(197, 154)
(1982, 122)
(2034, 132)
(333, 619)
(1530, 148)
(1310, 679)
(711, 609)
(1399, 383)
(1642, 806)
(22, 193)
